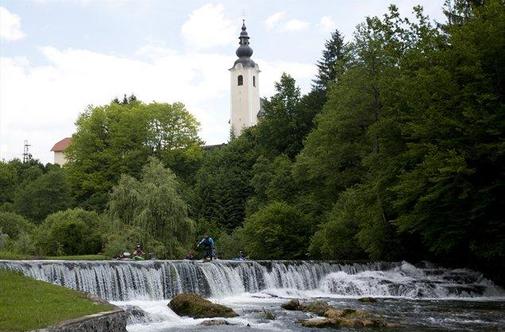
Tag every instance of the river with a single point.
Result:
(424, 297)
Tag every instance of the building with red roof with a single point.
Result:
(59, 151)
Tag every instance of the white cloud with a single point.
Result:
(271, 72)
(84, 3)
(208, 27)
(274, 19)
(40, 103)
(295, 25)
(326, 24)
(10, 25)
(278, 22)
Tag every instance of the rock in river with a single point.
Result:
(193, 305)
(316, 307)
(215, 322)
(336, 318)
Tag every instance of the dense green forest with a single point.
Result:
(397, 152)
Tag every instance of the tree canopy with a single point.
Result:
(118, 139)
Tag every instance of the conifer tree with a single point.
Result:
(327, 66)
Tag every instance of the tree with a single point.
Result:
(332, 62)
(451, 193)
(223, 182)
(356, 228)
(154, 206)
(47, 194)
(15, 175)
(118, 139)
(277, 231)
(277, 131)
(8, 177)
(69, 232)
(354, 150)
(272, 181)
(410, 142)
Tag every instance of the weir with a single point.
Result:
(156, 280)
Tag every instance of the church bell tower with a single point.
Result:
(245, 98)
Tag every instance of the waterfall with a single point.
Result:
(156, 280)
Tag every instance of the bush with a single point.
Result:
(15, 233)
(228, 246)
(14, 225)
(277, 231)
(70, 232)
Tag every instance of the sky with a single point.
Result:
(57, 57)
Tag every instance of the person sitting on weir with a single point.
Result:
(138, 252)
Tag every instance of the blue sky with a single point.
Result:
(59, 56)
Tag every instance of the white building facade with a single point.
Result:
(244, 87)
(59, 151)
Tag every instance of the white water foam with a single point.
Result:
(156, 280)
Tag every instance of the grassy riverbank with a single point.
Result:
(27, 304)
(12, 256)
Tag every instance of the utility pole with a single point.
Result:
(27, 156)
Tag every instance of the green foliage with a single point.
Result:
(230, 245)
(119, 138)
(276, 231)
(15, 233)
(452, 194)
(331, 64)
(411, 141)
(121, 238)
(152, 211)
(277, 131)
(14, 225)
(356, 228)
(8, 178)
(272, 181)
(69, 232)
(223, 182)
(337, 237)
(46, 194)
(14, 175)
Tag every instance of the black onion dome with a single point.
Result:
(244, 51)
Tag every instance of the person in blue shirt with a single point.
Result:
(208, 244)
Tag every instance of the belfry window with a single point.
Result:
(240, 80)
(254, 80)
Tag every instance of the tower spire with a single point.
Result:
(244, 51)
(245, 100)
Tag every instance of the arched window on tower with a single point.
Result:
(240, 80)
(254, 80)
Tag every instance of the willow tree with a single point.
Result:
(153, 208)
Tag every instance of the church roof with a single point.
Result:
(62, 145)
(244, 51)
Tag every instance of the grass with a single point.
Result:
(27, 304)
(79, 258)
(13, 256)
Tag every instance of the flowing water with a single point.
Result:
(420, 298)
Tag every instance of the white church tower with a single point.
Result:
(245, 97)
